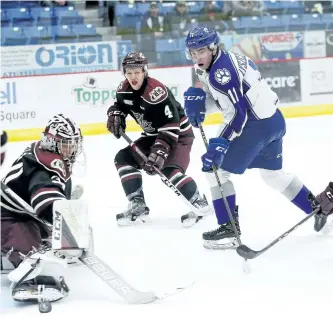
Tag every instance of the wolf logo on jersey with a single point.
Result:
(222, 76)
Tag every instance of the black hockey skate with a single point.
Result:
(137, 212)
(224, 237)
(191, 218)
(320, 219)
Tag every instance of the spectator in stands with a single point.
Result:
(243, 8)
(178, 21)
(210, 7)
(212, 16)
(318, 6)
(153, 22)
(57, 3)
(258, 7)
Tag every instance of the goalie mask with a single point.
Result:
(62, 136)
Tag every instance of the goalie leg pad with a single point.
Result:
(70, 225)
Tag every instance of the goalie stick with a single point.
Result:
(247, 253)
(101, 269)
(119, 285)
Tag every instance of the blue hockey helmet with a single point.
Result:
(201, 36)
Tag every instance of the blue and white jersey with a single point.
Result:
(234, 86)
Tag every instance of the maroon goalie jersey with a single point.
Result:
(39, 177)
(155, 109)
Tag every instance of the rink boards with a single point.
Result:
(305, 88)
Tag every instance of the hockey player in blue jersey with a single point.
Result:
(250, 135)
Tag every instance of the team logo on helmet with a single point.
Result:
(222, 76)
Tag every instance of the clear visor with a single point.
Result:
(70, 149)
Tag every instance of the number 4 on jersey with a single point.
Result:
(168, 112)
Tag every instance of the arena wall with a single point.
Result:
(304, 86)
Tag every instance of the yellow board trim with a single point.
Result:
(216, 118)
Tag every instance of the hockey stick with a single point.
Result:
(231, 217)
(247, 253)
(119, 285)
(101, 269)
(164, 179)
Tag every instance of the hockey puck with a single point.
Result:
(45, 307)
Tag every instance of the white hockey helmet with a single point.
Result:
(62, 136)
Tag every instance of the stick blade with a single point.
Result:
(246, 253)
(150, 297)
(141, 298)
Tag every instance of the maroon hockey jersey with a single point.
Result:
(155, 109)
(39, 177)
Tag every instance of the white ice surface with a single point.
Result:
(295, 278)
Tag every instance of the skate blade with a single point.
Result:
(327, 229)
(232, 244)
(191, 221)
(49, 295)
(126, 222)
(195, 218)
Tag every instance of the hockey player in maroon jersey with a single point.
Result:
(40, 179)
(166, 140)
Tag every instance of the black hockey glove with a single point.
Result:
(325, 199)
(116, 121)
(159, 153)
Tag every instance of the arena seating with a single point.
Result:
(29, 23)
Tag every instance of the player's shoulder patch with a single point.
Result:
(51, 162)
(124, 86)
(155, 91)
(222, 76)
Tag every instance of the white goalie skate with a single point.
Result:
(39, 277)
(201, 209)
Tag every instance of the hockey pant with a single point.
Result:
(129, 164)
